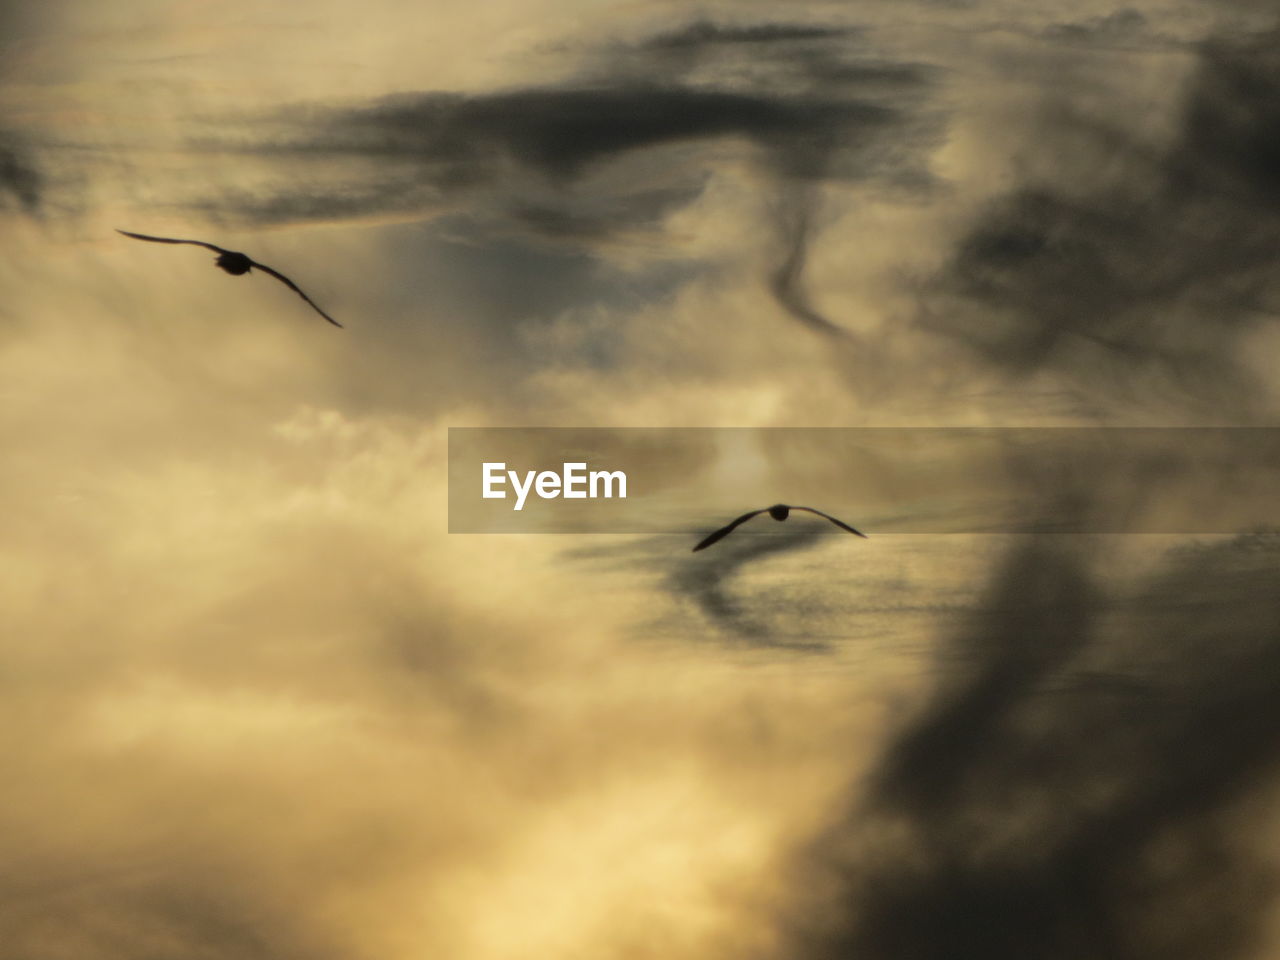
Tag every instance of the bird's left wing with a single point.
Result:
(194, 243)
(839, 523)
(727, 529)
(295, 288)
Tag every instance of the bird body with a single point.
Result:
(779, 512)
(234, 263)
(237, 264)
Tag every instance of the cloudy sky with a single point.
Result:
(259, 703)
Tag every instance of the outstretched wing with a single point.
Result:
(838, 523)
(726, 530)
(196, 243)
(295, 288)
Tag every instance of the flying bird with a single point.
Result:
(778, 511)
(236, 264)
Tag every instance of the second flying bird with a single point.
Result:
(779, 511)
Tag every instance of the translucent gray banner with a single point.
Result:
(882, 480)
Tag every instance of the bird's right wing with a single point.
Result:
(839, 523)
(197, 243)
(296, 289)
(728, 529)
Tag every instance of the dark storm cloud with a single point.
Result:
(553, 137)
(561, 132)
(625, 145)
(1134, 259)
(1074, 788)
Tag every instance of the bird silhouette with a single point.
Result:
(779, 511)
(236, 264)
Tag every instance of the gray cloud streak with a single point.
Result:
(708, 580)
